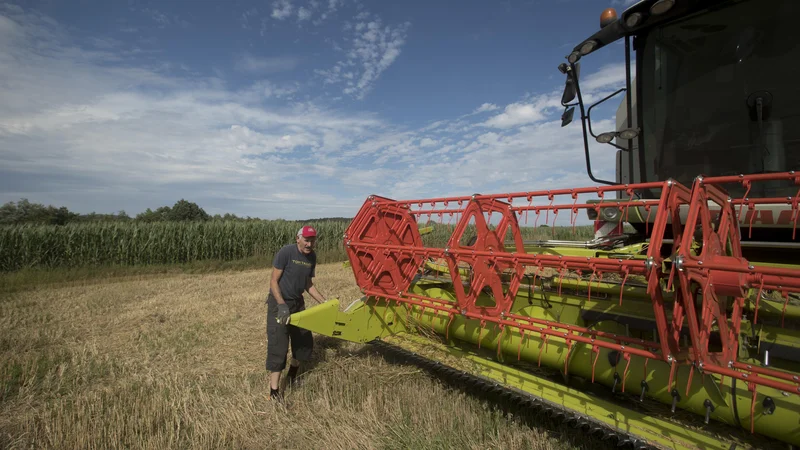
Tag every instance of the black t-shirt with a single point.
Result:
(297, 268)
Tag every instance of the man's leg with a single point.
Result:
(302, 349)
(277, 347)
(294, 366)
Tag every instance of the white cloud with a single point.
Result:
(312, 11)
(265, 89)
(427, 142)
(249, 63)
(303, 13)
(486, 107)
(373, 48)
(519, 114)
(608, 76)
(281, 9)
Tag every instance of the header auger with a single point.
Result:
(689, 301)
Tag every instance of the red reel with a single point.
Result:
(387, 271)
(487, 273)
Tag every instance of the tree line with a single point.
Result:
(24, 212)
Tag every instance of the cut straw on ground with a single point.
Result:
(177, 361)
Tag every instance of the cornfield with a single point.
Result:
(133, 243)
(439, 234)
(139, 244)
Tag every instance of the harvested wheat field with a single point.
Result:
(177, 361)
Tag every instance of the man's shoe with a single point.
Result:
(291, 376)
(275, 394)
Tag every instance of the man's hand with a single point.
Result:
(283, 313)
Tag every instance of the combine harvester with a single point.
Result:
(686, 300)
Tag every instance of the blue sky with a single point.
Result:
(292, 108)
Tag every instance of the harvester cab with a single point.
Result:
(684, 333)
(709, 92)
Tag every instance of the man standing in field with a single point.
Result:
(293, 269)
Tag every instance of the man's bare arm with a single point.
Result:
(312, 290)
(274, 287)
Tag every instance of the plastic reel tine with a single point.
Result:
(560, 279)
(522, 333)
(528, 209)
(396, 306)
(566, 356)
(689, 382)
(572, 218)
(542, 347)
(409, 311)
(751, 210)
(622, 288)
(758, 301)
(647, 221)
(573, 213)
(596, 351)
(555, 218)
(589, 295)
(644, 375)
(547, 214)
(500, 339)
(747, 185)
(452, 316)
(627, 357)
(672, 369)
(480, 333)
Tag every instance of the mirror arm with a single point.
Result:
(629, 104)
(585, 134)
(589, 112)
(617, 146)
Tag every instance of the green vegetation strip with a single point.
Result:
(138, 243)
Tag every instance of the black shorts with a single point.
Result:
(278, 337)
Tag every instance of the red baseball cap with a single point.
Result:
(307, 232)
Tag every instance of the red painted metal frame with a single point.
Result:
(486, 271)
(386, 253)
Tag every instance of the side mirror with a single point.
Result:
(569, 87)
(566, 118)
